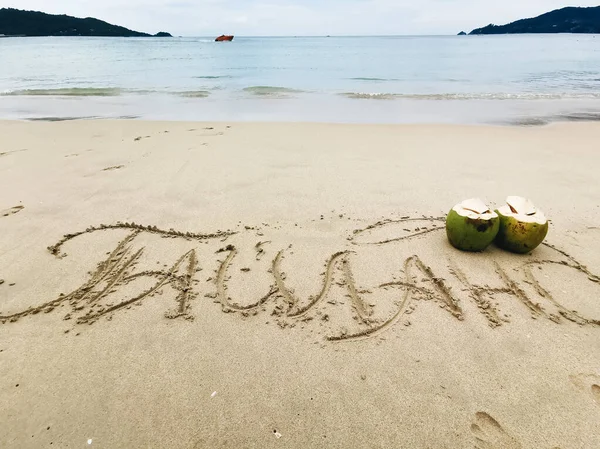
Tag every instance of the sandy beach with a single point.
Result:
(258, 285)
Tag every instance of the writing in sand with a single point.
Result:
(335, 300)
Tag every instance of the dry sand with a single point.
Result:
(291, 286)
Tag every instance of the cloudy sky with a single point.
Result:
(299, 17)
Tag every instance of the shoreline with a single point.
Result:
(584, 120)
(279, 285)
(309, 107)
(572, 119)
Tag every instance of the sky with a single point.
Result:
(299, 17)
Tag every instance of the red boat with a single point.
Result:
(224, 38)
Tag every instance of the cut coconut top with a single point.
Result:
(523, 210)
(474, 208)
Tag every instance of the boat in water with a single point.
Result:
(224, 38)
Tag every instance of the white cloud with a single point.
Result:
(298, 17)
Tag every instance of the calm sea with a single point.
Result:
(528, 79)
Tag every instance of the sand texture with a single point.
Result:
(191, 285)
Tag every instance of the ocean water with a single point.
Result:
(526, 79)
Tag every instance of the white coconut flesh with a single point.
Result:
(522, 210)
(475, 209)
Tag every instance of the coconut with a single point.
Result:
(522, 226)
(471, 225)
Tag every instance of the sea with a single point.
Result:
(509, 79)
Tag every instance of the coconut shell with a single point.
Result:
(471, 234)
(520, 237)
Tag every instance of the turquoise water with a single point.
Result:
(527, 78)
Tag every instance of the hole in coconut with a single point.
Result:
(477, 211)
(520, 205)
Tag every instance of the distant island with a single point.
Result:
(16, 22)
(565, 20)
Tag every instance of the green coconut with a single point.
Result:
(471, 225)
(523, 227)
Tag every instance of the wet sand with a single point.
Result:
(197, 285)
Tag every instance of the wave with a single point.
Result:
(193, 94)
(579, 117)
(286, 92)
(369, 96)
(474, 96)
(565, 117)
(272, 91)
(361, 78)
(62, 119)
(211, 77)
(100, 92)
(67, 92)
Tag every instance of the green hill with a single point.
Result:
(565, 20)
(33, 23)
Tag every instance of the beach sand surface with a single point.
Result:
(241, 285)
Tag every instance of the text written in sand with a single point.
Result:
(343, 309)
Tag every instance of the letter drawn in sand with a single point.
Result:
(570, 315)
(295, 310)
(108, 273)
(91, 301)
(222, 296)
(482, 297)
(441, 294)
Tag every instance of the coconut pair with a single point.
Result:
(518, 226)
